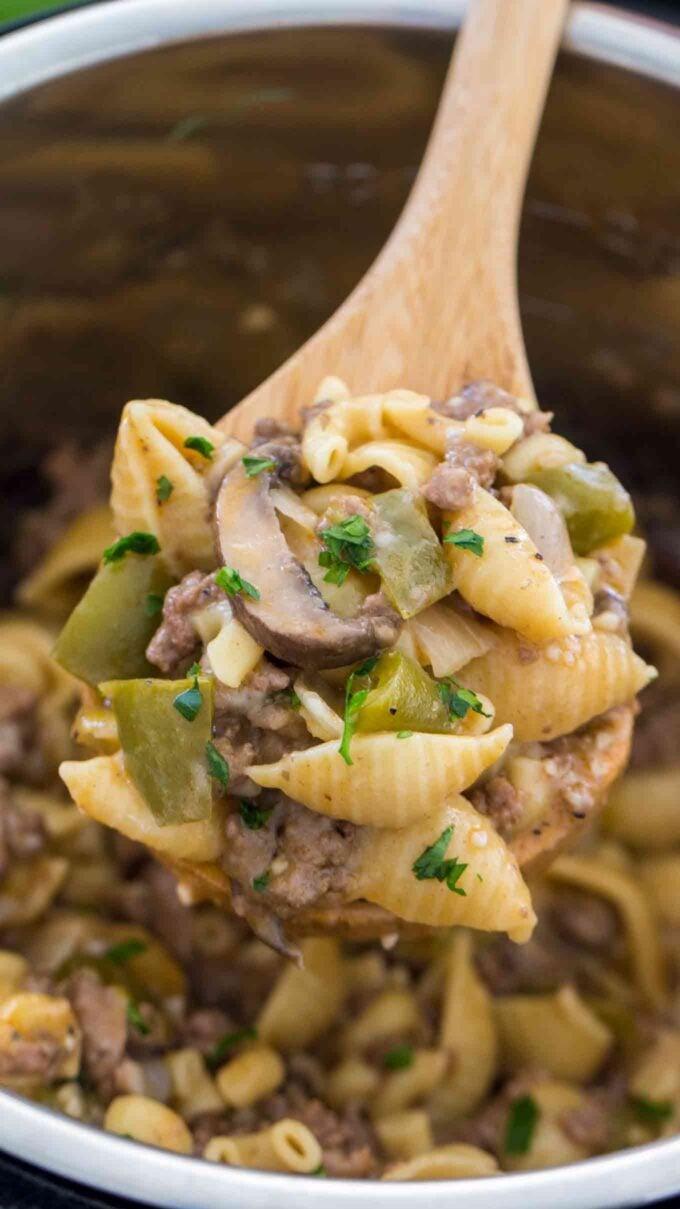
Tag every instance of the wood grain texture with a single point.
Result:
(439, 305)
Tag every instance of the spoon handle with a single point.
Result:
(439, 305)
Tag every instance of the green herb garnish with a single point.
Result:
(353, 703)
(134, 543)
(404, 734)
(227, 1043)
(121, 953)
(348, 545)
(295, 702)
(153, 604)
(164, 488)
(218, 767)
(522, 1121)
(260, 883)
(399, 1058)
(255, 466)
(136, 1019)
(652, 1112)
(466, 539)
(200, 445)
(190, 701)
(255, 817)
(231, 582)
(459, 700)
(320, 1171)
(432, 864)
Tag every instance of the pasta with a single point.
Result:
(555, 1033)
(468, 1033)
(496, 895)
(152, 443)
(510, 583)
(286, 1146)
(305, 999)
(561, 686)
(457, 1162)
(355, 716)
(391, 782)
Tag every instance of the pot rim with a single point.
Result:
(81, 38)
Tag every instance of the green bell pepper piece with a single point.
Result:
(403, 697)
(106, 636)
(408, 555)
(165, 752)
(594, 504)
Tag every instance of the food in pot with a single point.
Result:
(452, 1052)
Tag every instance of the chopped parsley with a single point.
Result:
(260, 883)
(432, 864)
(218, 767)
(255, 817)
(134, 543)
(231, 582)
(399, 1058)
(353, 705)
(120, 953)
(200, 445)
(466, 539)
(404, 734)
(652, 1112)
(190, 701)
(295, 702)
(164, 488)
(522, 1121)
(459, 700)
(255, 466)
(153, 604)
(348, 545)
(320, 1171)
(136, 1019)
(222, 1048)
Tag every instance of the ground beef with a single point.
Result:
(263, 699)
(479, 396)
(176, 642)
(452, 484)
(498, 800)
(307, 855)
(508, 968)
(19, 750)
(38, 1059)
(584, 919)
(587, 1125)
(203, 1028)
(279, 442)
(151, 899)
(256, 723)
(22, 831)
(101, 1013)
(655, 739)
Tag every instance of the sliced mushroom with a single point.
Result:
(290, 619)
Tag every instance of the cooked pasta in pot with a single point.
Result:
(350, 704)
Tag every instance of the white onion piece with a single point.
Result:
(540, 517)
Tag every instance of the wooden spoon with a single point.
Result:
(439, 306)
(437, 309)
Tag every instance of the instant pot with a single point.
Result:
(187, 190)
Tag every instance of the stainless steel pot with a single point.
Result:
(598, 267)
